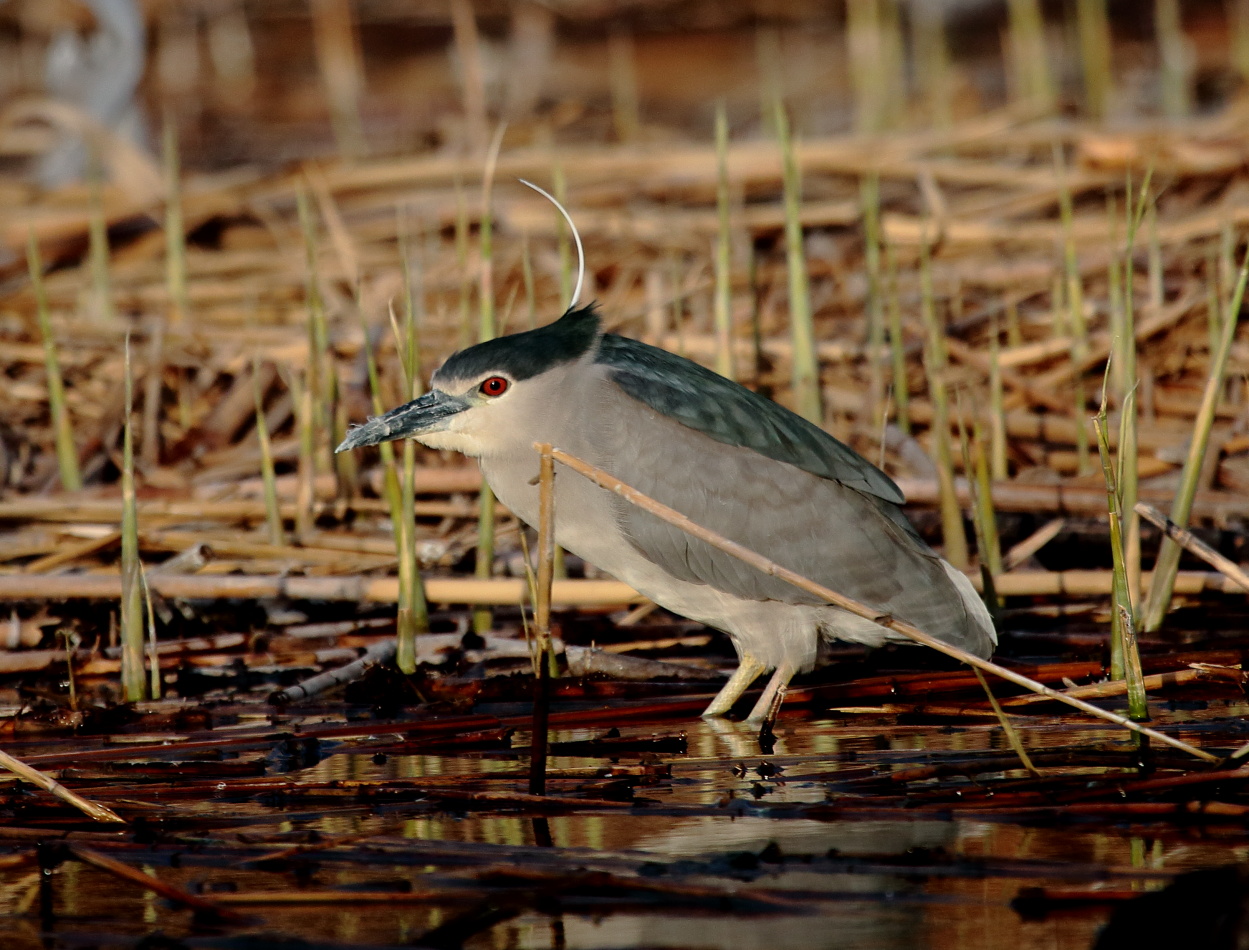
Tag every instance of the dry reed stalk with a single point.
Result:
(772, 569)
(869, 190)
(1191, 543)
(66, 454)
(91, 809)
(1167, 565)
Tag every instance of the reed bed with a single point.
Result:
(946, 264)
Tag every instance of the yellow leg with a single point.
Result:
(747, 671)
(780, 679)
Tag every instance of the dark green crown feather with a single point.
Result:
(527, 354)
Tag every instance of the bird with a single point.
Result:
(723, 455)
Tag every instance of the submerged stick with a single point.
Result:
(771, 568)
(382, 652)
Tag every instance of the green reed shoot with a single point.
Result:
(97, 248)
(134, 686)
(869, 197)
(1124, 374)
(559, 188)
(318, 382)
(1093, 27)
(1074, 295)
(305, 426)
(483, 617)
(1163, 585)
(723, 252)
(1175, 58)
(273, 513)
(63, 435)
(935, 366)
(806, 370)
(413, 613)
(1033, 80)
(1008, 727)
(1123, 626)
(897, 343)
(175, 234)
(998, 466)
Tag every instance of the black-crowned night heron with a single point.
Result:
(726, 457)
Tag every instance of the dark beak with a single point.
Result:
(429, 413)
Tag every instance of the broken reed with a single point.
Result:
(134, 686)
(1165, 568)
(806, 370)
(66, 454)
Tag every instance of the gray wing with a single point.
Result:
(853, 542)
(734, 415)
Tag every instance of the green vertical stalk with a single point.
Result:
(97, 248)
(897, 344)
(806, 370)
(483, 617)
(133, 680)
(1175, 59)
(1093, 26)
(413, 614)
(175, 235)
(305, 502)
(935, 367)
(563, 240)
(318, 382)
(997, 412)
(869, 196)
(932, 57)
(1075, 304)
(1124, 622)
(1126, 380)
(63, 434)
(1163, 584)
(526, 277)
(723, 252)
(273, 513)
(1238, 13)
(1029, 56)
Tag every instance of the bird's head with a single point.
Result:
(493, 397)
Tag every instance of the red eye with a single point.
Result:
(494, 386)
